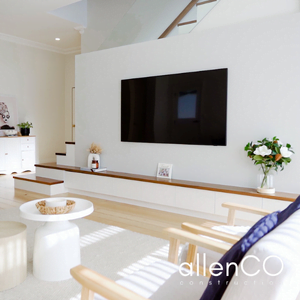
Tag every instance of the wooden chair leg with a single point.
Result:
(173, 250)
(191, 255)
(231, 217)
(87, 294)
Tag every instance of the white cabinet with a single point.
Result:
(12, 154)
(2, 156)
(17, 154)
(28, 153)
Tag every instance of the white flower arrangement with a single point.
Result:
(269, 154)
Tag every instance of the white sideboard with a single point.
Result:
(196, 199)
(17, 154)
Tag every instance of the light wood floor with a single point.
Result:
(135, 218)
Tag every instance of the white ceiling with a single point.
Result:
(29, 19)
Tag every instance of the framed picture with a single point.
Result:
(164, 170)
(8, 113)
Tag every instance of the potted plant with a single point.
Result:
(270, 154)
(25, 128)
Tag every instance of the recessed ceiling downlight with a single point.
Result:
(57, 39)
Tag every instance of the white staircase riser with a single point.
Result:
(39, 188)
(203, 10)
(196, 13)
(190, 16)
(69, 158)
(184, 29)
(70, 150)
(50, 173)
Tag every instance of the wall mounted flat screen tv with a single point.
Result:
(186, 108)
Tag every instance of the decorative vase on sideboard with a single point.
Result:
(265, 184)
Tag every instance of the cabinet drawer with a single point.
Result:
(27, 140)
(29, 147)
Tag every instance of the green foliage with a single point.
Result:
(25, 125)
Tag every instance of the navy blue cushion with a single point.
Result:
(217, 284)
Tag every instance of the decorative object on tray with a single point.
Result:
(25, 128)
(45, 208)
(94, 156)
(93, 170)
(270, 154)
(164, 170)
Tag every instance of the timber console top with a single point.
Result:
(177, 182)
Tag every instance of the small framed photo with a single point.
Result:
(164, 170)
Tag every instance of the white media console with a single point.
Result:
(184, 197)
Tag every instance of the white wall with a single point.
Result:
(144, 21)
(262, 57)
(236, 11)
(69, 84)
(36, 78)
(102, 17)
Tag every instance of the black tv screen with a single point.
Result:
(186, 108)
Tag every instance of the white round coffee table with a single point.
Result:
(57, 242)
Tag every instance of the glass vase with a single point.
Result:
(265, 184)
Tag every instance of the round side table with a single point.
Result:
(56, 243)
(13, 254)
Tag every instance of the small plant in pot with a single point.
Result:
(25, 128)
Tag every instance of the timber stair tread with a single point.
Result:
(205, 2)
(187, 23)
(38, 179)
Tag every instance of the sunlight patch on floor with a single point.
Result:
(99, 235)
(160, 254)
(77, 297)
